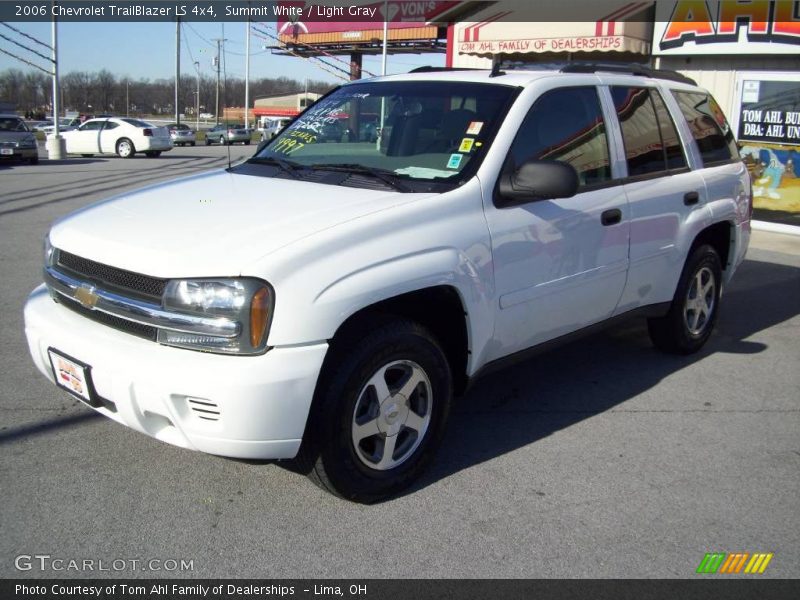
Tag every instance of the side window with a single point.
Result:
(110, 125)
(91, 126)
(709, 127)
(651, 141)
(565, 125)
(669, 135)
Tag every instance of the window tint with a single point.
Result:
(648, 133)
(709, 127)
(669, 135)
(110, 125)
(137, 123)
(565, 125)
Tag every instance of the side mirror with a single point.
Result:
(537, 180)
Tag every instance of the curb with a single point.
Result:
(775, 227)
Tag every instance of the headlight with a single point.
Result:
(249, 302)
(49, 252)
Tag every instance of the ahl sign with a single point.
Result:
(699, 27)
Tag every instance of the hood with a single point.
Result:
(211, 225)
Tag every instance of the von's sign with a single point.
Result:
(695, 27)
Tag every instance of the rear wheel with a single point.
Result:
(221, 141)
(125, 148)
(87, 155)
(208, 142)
(693, 313)
(379, 413)
(33, 160)
(247, 143)
(191, 143)
(153, 154)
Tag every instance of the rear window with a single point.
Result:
(709, 127)
(137, 123)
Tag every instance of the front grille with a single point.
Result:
(143, 331)
(8, 144)
(105, 276)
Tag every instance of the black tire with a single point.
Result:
(208, 142)
(34, 160)
(153, 154)
(121, 151)
(191, 144)
(330, 456)
(87, 155)
(247, 143)
(692, 315)
(221, 141)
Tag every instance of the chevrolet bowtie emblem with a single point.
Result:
(86, 296)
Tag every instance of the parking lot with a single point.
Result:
(603, 458)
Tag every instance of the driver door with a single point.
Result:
(85, 139)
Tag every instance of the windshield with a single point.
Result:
(12, 124)
(411, 129)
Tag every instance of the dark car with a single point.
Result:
(17, 141)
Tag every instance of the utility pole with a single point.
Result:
(197, 108)
(216, 62)
(177, 68)
(56, 147)
(127, 97)
(247, 76)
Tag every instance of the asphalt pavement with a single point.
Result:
(603, 458)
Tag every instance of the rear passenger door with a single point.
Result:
(559, 264)
(663, 193)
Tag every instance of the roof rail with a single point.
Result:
(430, 69)
(630, 69)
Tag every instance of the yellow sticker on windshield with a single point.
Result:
(466, 145)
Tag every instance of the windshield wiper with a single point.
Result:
(286, 166)
(386, 176)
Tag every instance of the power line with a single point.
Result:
(26, 62)
(24, 47)
(30, 37)
(327, 70)
(329, 55)
(194, 31)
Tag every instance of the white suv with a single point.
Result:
(324, 302)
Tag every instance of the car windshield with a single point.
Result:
(12, 124)
(410, 129)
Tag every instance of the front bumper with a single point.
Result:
(21, 154)
(259, 404)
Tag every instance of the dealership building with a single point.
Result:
(746, 54)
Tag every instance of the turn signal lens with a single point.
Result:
(259, 316)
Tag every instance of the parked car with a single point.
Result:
(273, 127)
(228, 134)
(118, 135)
(64, 124)
(181, 134)
(325, 302)
(17, 142)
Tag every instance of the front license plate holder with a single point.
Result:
(6, 151)
(73, 376)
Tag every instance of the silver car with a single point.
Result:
(182, 134)
(17, 142)
(228, 134)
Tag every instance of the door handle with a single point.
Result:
(690, 198)
(611, 217)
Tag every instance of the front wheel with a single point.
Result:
(191, 144)
(379, 412)
(208, 142)
(221, 141)
(693, 312)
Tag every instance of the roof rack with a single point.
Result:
(640, 70)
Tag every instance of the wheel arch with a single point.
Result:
(721, 237)
(440, 309)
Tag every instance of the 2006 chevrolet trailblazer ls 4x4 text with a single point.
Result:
(326, 299)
